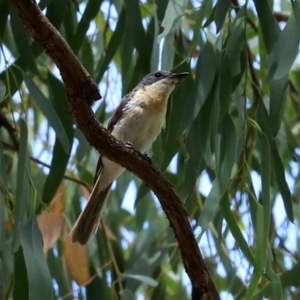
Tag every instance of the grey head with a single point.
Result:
(159, 75)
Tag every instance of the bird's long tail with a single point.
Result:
(88, 221)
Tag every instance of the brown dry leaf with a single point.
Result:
(51, 221)
(76, 260)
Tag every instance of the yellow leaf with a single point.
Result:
(76, 260)
(51, 221)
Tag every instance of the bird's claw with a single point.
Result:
(148, 158)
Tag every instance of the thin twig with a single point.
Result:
(36, 160)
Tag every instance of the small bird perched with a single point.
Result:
(138, 119)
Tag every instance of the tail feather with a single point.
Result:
(88, 221)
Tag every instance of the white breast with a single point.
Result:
(140, 126)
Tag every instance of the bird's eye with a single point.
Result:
(158, 74)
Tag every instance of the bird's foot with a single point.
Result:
(148, 158)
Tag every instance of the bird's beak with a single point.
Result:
(178, 76)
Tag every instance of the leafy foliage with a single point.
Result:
(230, 147)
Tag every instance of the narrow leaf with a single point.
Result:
(226, 153)
(270, 28)
(47, 109)
(174, 11)
(168, 51)
(296, 10)
(127, 295)
(2, 89)
(21, 38)
(145, 279)
(40, 284)
(285, 51)
(60, 158)
(21, 288)
(22, 191)
(90, 12)
(112, 46)
(281, 182)
(220, 13)
(256, 211)
(197, 139)
(278, 95)
(235, 230)
(235, 42)
(205, 75)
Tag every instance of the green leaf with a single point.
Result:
(23, 188)
(285, 51)
(3, 16)
(145, 279)
(135, 26)
(296, 10)
(2, 89)
(220, 13)
(287, 279)
(234, 229)
(278, 95)
(277, 165)
(281, 182)
(225, 157)
(197, 139)
(257, 216)
(22, 41)
(40, 284)
(60, 158)
(275, 283)
(168, 51)
(21, 288)
(56, 12)
(225, 83)
(235, 42)
(211, 205)
(270, 28)
(90, 12)
(47, 109)
(205, 74)
(127, 295)
(112, 46)
(265, 171)
(174, 11)
(155, 56)
(226, 153)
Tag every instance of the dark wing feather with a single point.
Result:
(117, 115)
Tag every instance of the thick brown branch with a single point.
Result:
(80, 87)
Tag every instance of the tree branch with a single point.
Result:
(81, 91)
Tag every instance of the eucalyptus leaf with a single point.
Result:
(2, 90)
(39, 279)
(174, 11)
(47, 109)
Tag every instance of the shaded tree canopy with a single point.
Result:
(230, 150)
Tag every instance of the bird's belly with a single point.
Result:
(140, 127)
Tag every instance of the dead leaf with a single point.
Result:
(76, 260)
(51, 221)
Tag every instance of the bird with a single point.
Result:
(138, 120)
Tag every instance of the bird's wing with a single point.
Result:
(117, 116)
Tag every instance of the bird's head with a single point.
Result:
(161, 82)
